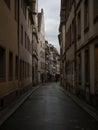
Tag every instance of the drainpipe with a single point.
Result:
(75, 80)
(18, 44)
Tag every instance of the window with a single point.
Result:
(2, 64)
(28, 69)
(10, 65)
(16, 10)
(16, 67)
(73, 31)
(87, 67)
(34, 6)
(41, 44)
(20, 69)
(29, 46)
(28, 43)
(95, 11)
(24, 8)
(79, 25)
(25, 11)
(22, 4)
(23, 70)
(68, 38)
(86, 15)
(25, 39)
(96, 66)
(21, 34)
(8, 3)
(41, 65)
(33, 75)
(79, 68)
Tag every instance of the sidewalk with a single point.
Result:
(7, 112)
(88, 108)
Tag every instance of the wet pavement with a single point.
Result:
(49, 108)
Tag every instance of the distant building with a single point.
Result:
(54, 62)
(47, 61)
(41, 47)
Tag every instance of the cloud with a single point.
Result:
(51, 15)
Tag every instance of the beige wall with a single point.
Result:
(88, 41)
(8, 40)
(93, 31)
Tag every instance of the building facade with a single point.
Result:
(41, 46)
(35, 44)
(47, 63)
(61, 38)
(25, 45)
(54, 63)
(8, 52)
(70, 45)
(81, 48)
(15, 48)
(87, 49)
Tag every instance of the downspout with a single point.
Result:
(75, 69)
(18, 45)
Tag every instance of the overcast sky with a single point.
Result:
(51, 14)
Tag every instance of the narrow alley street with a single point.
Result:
(49, 108)
(48, 65)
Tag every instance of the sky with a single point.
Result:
(52, 16)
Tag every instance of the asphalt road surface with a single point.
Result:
(49, 108)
